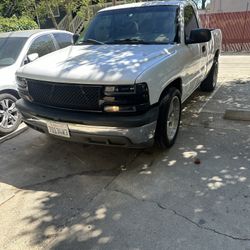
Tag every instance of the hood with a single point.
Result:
(8, 77)
(96, 64)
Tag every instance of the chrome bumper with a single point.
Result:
(114, 136)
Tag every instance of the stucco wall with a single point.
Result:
(228, 6)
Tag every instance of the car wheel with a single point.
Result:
(209, 84)
(169, 119)
(10, 118)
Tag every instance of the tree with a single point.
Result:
(13, 23)
(18, 8)
(41, 9)
(37, 9)
(46, 8)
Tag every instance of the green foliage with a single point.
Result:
(19, 8)
(14, 23)
(42, 9)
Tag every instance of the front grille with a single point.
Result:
(65, 96)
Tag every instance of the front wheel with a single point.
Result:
(169, 119)
(10, 118)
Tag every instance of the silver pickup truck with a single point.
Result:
(125, 78)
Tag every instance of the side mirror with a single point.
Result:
(199, 36)
(75, 38)
(32, 57)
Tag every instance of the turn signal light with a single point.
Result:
(112, 108)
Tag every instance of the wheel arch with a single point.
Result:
(177, 83)
(11, 92)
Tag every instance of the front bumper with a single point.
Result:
(103, 129)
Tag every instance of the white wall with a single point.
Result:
(228, 6)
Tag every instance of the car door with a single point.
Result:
(194, 68)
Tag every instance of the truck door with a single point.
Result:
(194, 69)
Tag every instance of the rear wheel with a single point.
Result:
(209, 84)
(10, 118)
(169, 119)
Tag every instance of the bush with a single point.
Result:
(14, 23)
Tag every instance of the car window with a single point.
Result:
(42, 45)
(10, 48)
(190, 21)
(134, 25)
(63, 39)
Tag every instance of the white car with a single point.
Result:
(124, 80)
(17, 49)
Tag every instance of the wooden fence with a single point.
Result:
(235, 29)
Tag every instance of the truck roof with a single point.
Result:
(145, 4)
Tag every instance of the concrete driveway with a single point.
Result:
(56, 195)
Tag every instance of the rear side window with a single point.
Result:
(191, 22)
(42, 45)
(63, 39)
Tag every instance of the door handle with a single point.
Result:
(204, 48)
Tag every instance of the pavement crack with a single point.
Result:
(165, 207)
(208, 228)
(116, 171)
(200, 125)
(113, 171)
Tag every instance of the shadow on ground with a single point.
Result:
(70, 196)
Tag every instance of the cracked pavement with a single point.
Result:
(56, 195)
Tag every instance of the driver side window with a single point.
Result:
(190, 21)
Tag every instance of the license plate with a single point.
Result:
(58, 129)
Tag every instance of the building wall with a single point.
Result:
(217, 6)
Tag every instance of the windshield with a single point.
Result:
(144, 25)
(10, 48)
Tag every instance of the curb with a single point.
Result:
(17, 132)
(237, 114)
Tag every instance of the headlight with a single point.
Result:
(119, 89)
(126, 98)
(22, 82)
(23, 89)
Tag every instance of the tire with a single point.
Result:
(165, 136)
(10, 118)
(209, 84)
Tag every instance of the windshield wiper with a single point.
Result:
(131, 41)
(92, 41)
